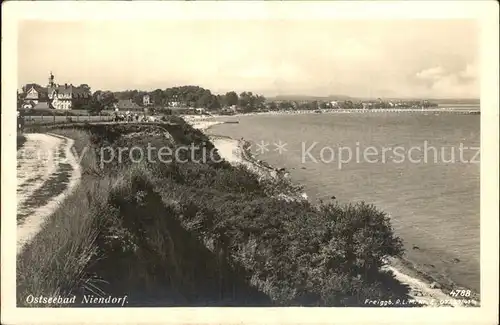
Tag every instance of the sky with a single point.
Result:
(359, 58)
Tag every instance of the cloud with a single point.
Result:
(434, 73)
(470, 72)
(440, 82)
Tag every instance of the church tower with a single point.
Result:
(51, 80)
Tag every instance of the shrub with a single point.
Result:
(363, 237)
(293, 250)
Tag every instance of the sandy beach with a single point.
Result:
(422, 291)
(229, 149)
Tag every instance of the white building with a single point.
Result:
(146, 100)
(56, 96)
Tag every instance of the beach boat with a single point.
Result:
(318, 111)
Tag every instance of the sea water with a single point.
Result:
(431, 195)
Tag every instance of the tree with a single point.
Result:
(285, 105)
(93, 106)
(205, 100)
(221, 100)
(260, 102)
(313, 105)
(244, 101)
(85, 86)
(105, 98)
(138, 97)
(249, 102)
(191, 95)
(157, 97)
(231, 98)
(215, 104)
(125, 95)
(347, 104)
(100, 100)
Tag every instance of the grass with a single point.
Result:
(196, 234)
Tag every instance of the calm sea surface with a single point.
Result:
(407, 164)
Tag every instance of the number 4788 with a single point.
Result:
(460, 293)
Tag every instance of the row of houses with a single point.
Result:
(54, 95)
(65, 97)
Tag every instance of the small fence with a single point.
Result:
(52, 119)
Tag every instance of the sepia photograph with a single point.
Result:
(283, 160)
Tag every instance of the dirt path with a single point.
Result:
(47, 172)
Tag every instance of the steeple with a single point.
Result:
(51, 80)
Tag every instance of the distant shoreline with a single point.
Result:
(342, 111)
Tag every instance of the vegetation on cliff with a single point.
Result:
(192, 234)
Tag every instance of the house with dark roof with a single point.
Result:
(65, 96)
(56, 96)
(35, 93)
